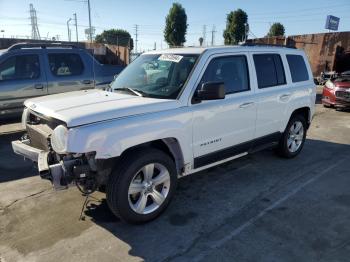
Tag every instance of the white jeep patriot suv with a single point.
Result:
(170, 113)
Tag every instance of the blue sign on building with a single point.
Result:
(332, 22)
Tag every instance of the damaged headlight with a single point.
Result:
(25, 118)
(59, 139)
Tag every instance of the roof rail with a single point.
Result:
(38, 45)
(262, 44)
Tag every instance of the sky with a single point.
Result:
(298, 17)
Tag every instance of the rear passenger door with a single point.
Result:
(67, 72)
(272, 94)
(21, 77)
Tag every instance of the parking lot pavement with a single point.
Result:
(257, 208)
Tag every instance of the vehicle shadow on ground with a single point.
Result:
(10, 120)
(12, 166)
(229, 193)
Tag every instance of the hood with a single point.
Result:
(89, 106)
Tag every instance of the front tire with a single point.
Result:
(293, 138)
(142, 186)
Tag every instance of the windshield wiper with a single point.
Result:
(130, 90)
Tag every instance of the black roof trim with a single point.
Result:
(267, 45)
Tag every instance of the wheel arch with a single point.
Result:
(303, 111)
(169, 146)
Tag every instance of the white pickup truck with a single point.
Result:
(170, 113)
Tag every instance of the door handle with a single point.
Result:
(39, 86)
(285, 96)
(245, 105)
(86, 82)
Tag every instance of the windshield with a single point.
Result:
(157, 75)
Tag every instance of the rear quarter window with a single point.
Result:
(297, 68)
(65, 64)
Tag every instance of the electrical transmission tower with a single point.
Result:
(34, 22)
(136, 36)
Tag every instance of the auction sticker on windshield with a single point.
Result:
(170, 57)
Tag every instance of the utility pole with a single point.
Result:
(204, 34)
(213, 31)
(68, 30)
(34, 22)
(90, 28)
(76, 26)
(246, 31)
(136, 36)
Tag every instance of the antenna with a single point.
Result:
(34, 22)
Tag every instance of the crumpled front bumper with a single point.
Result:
(54, 172)
(39, 156)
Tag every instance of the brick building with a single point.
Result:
(326, 51)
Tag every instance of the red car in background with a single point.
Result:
(336, 92)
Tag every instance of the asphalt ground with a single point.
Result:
(256, 208)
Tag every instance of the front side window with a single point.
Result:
(156, 75)
(297, 68)
(65, 64)
(232, 70)
(269, 70)
(20, 67)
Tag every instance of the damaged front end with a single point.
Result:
(44, 145)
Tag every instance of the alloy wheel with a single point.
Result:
(149, 188)
(295, 136)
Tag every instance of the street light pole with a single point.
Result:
(68, 28)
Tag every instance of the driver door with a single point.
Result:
(224, 128)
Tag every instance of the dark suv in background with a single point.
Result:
(31, 70)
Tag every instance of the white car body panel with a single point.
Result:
(110, 123)
(89, 106)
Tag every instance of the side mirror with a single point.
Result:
(211, 91)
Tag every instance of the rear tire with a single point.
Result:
(293, 138)
(141, 187)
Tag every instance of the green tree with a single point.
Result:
(115, 37)
(276, 29)
(236, 25)
(175, 26)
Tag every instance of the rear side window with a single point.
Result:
(20, 67)
(297, 68)
(65, 64)
(269, 70)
